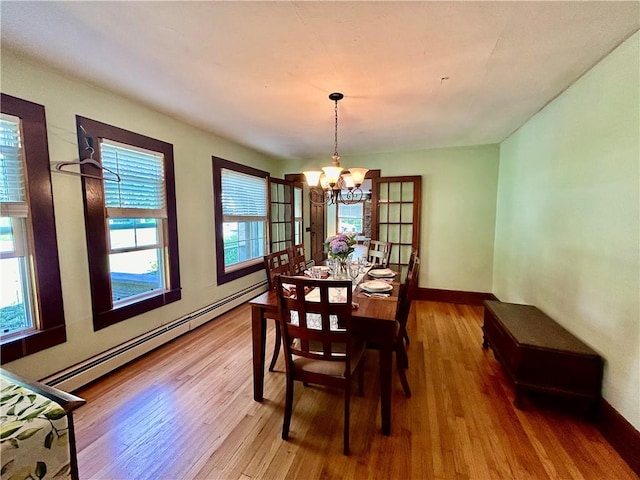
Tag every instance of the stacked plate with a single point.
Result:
(376, 286)
(381, 273)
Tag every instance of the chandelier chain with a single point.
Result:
(336, 186)
(335, 133)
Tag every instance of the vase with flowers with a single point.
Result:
(339, 247)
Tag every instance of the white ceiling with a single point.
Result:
(415, 74)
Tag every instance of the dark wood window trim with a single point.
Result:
(104, 313)
(274, 222)
(217, 165)
(51, 330)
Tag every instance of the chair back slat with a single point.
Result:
(408, 292)
(378, 252)
(275, 264)
(298, 261)
(317, 330)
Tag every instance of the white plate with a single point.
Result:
(376, 286)
(382, 272)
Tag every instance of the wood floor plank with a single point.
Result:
(186, 411)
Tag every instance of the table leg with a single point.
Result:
(259, 337)
(386, 360)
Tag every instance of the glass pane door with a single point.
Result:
(396, 216)
(282, 221)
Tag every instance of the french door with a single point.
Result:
(281, 226)
(395, 216)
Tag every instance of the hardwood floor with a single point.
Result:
(186, 411)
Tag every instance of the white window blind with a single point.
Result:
(244, 197)
(12, 186)
(350, 210)
(141, 173)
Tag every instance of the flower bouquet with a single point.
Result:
(339, 247)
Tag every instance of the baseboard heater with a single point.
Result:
(85, 372)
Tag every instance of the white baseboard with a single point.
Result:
(95, 367)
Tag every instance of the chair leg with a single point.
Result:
(401, 356)
(403, 375)
(406, 338)
(347, 400)
(276, 348)
(288, 408)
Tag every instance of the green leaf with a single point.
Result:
(12, 410)
(33, 414)
(32, 397)
(63, 438)
(23, 410)
(30, 432)
(9, 396)
(41, 469)
(64, 471)
(9, 429)
(6, 466)
(48, 441)
(10, 386)
(55, 414)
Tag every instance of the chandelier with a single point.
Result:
(336, 185)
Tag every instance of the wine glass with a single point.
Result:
(354, 271)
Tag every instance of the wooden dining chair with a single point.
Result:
(378, 252)
(408, 293)
(298, 262)
(402, 316)
(413, 291)
(318, 345)
(276, 264)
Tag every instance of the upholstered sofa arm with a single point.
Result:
(36, 434)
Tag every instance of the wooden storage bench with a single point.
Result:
(540, 355)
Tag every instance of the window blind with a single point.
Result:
(141, 173)
(350, 210)
(243, 195)
(12, 187)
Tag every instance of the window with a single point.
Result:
(281, 214)
(131, 224)
(240, 218)
(16, 307)
(350, 217)
(297, 214)
(31, 310)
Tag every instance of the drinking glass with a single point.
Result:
(362, 261)
(354, 271)
(332, 263)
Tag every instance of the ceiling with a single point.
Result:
(415, 74)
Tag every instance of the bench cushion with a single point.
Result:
(529, 326)
(34, 434)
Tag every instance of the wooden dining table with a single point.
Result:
(374, 320)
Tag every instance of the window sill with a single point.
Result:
(21, 346)
(110, 317)
(226, 277)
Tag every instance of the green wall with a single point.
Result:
(63, 98)
(459, 188)
(567, 223)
